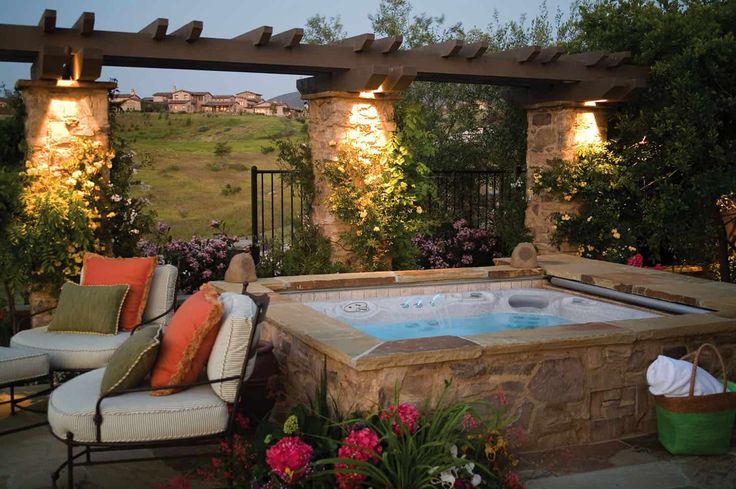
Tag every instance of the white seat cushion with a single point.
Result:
(134, 417)
(70, 351)
(161, 294)
(17, 364)
(232, 343)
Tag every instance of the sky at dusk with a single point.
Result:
(228, 18)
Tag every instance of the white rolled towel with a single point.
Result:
(670, 377)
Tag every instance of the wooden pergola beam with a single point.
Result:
(259, 36)
(85, 24)
(386, 45)
(190, 32)
(48, 21)
(358, 80)
(474, 50)
(288, 39)
(87, 64)
(399, 78)
(344, 64)
(358, 43)
(443, 49)
(156, 30)
(549, 55)
(523, 54)
(49, 63)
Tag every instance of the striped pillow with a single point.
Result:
(232, 343)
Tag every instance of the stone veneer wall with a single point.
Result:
(555, 132)
(336, 118)
(563, 396)
(58, 114)
(55, 116)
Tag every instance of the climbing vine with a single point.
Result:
(378, 195)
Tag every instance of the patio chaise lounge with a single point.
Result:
(82, 352)
(133, 419)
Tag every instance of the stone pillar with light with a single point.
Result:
(556, 131)
(363, 119)
(57, 113)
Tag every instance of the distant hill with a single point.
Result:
(293, 99)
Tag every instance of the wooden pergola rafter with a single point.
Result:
(359, 63)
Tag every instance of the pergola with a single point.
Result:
(360, 63)
(344, 79)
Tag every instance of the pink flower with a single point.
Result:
(289, 458)
(407, 414)
(469, 422)
(363, 445)
(636, 261)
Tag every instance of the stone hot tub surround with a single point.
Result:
(569, 384)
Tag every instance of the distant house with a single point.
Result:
(195, 100)
(247, 100)
(176, 106)
(221, 103)
(162, 97)
(277, 108)
(127, 102)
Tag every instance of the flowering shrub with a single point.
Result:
(289, 458)
(443, 445)
(63, 208)
(404, 415)
(460, 246)
(596, 182)
(199, 260)
(377, 195)
(361, 444)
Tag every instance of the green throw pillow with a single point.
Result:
(132, 361)
(89, 309)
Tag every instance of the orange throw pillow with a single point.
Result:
(188, 340)
(135, 272)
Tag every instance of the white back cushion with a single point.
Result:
(232, 344)
(161, 294)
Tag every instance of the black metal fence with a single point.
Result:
(278, 209)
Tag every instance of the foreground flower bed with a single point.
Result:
(397, 446)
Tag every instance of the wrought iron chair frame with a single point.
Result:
(261, 301)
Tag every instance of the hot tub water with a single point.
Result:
(471, 313)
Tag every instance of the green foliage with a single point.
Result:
(377, 195)
(471, 126)
(307, 254)
(222, 149)
(323, 30)
(676, 139)
(231, 189)
(126, 217)
(600, 184)
(13, 260)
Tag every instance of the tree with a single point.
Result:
(222, 149)
(678, 137)
(323, 30)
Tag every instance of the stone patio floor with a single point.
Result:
(28, 458)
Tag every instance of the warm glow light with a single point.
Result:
(592, 103)
(586, 129)
(67, 83)
(63, 109)
(368, 94)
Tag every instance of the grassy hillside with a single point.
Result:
(185, 180)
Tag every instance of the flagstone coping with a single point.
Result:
(351, 347)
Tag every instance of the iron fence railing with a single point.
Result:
(278, 208)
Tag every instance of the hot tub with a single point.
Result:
(471, 313)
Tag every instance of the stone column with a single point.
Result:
(364, 119)
(56, 114)
(555, 131)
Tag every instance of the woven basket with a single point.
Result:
(697, 425)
